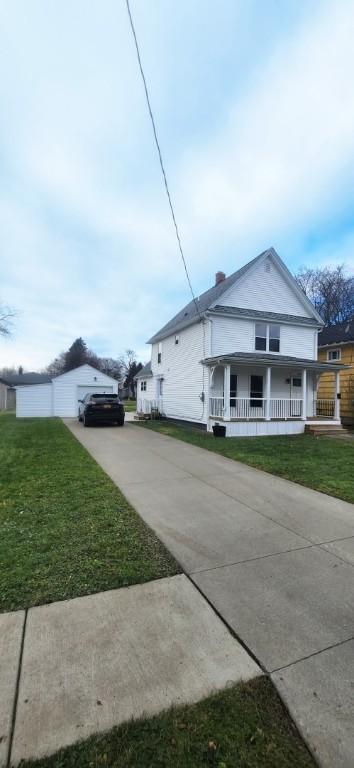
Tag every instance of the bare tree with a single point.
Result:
(7, 315)
(331, 290)
(111, 367)
(130, 368)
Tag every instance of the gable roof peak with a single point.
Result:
(192, 312)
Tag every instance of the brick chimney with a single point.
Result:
(219, 277)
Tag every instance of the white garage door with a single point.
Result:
(82, 391)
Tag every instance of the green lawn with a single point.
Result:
(243, 727)
(129, 405)
(324, 464)
(66, 530)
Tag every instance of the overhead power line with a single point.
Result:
(160, 156)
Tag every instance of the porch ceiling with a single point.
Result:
(275, 361)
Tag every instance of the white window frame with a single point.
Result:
(159, 352)
(177, 338)
(334, 359)
(267, 337)
(296, 378)
(143, 386)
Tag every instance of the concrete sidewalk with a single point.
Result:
(275, 560)
(93, 662)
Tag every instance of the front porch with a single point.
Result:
(251, 397)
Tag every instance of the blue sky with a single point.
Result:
(254, 103)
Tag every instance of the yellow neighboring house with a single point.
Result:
(336, 345)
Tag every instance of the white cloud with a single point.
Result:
(288, 148)
(88, 245)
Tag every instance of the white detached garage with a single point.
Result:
(60, 396)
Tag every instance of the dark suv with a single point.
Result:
(101, 409)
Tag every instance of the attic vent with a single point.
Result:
(267, 266)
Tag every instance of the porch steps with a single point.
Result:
(336, 430)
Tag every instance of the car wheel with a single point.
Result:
(79, 417)
(87, 423)
(120, 423)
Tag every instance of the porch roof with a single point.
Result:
(144, 373)
(275, 361)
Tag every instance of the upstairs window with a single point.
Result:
(274, 338)
(177, 338)
(267, 337)
(261, 336)
(159, 353)
(333, 354)
(143, 386)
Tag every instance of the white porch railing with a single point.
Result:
(285, 408)
(247, 408)
(150, 406)
(256, 408)
(324, 408)
(216, 407)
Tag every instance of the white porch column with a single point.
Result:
(304, 394)
(267, 393)
(337, 399)
(227, 373)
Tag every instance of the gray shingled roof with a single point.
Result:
(266, 358)
(145, 372)
(25, 379)
(189, 313)
(337, 334)
(276, 316)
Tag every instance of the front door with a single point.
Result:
(256, 391)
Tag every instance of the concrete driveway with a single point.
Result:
(274, 559)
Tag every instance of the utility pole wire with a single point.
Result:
(160, 157)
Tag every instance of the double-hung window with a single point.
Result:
(274, 338)
(333, 354)
(143, 386)
(267, 337)
(159, 352)
(261, 336)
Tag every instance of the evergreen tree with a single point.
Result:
(76, 355)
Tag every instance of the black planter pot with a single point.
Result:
(219, 430)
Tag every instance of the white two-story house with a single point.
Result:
(243, 355)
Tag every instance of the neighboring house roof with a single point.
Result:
(266, 358)
(276, 316)
(337, 334)
(145, 372)
(193, 311)
(26, 378)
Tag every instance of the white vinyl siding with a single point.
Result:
(66, 388)
(183, 374)
(34, 400)
(60, 397)
(145, 396)
(232, 334)
(270, 291)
